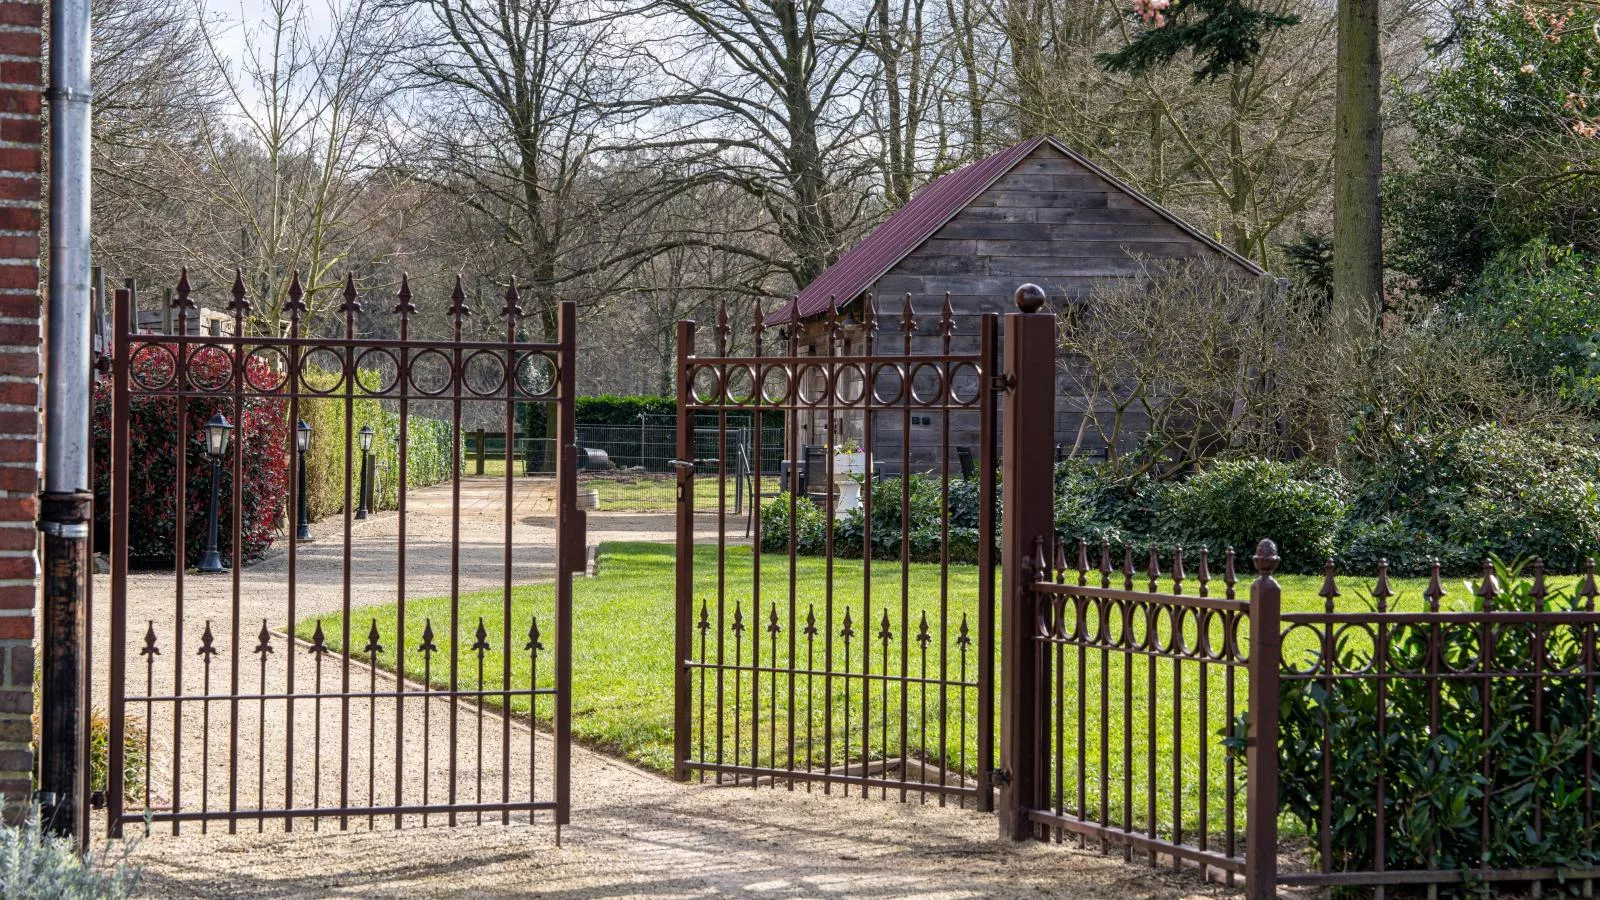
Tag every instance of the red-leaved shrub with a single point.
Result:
(153, 460)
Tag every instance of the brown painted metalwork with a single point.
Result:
(1095, 635)
(271, 375)
(792, 667)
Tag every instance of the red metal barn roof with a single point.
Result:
(932, 207)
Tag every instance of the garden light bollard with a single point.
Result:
(303, 445)
(217, 430)
(364, 502)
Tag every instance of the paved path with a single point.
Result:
(633, 832)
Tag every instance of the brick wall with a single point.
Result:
(21, 77)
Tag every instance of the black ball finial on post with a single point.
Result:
(1030, 298)
(1267, 558)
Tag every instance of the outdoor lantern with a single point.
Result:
(302, 438)
(217, 435)
(216, 445)
(364, 499)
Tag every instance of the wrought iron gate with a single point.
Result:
(285, 679)
(854, 647)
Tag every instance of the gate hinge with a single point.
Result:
(998, 777)
(1003, 382)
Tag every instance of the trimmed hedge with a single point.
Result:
(428, 441)
(153, 466)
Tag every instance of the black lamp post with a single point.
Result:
(302, 440)
(366, 477)
(217, 430)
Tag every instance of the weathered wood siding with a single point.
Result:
(1049, 221)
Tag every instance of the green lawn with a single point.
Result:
(659, 493)
(622, 699)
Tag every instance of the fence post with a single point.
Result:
(1261, 747)
(683, 634)
(1027, 496)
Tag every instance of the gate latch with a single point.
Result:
(683, 466)
(1004, 382)
(999, 777)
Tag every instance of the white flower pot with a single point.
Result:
(845, 467)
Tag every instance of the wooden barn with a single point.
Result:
(1035, 212)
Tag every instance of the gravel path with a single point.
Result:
(632, 833)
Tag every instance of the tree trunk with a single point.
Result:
(1358, 167)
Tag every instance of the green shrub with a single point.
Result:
(1240, 501)
(1539, 306)
(428, 443)
(926, 507)
(1435, 783)
(34, 864)
(1464, 496)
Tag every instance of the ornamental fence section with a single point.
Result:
(1152, 702)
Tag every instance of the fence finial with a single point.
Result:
(1435, 589)
(1330, 585)
(1266, 558)
(1588, 589)
(1177, 569)
(1230, 576)
(458, 300)
(1105, 562)
(297, 295)
(182, 300)
(722, 329)
(1381, 591)
(1203, 573)
(1083, 561)
(403, 304)
(1539, 591)
(512, 311)
(240, 304)
(351, 305)
(1153, 571)
(947, 317)
(1030, 298)
(1489, 588)
(908, 319)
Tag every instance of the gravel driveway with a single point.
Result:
(633, 833)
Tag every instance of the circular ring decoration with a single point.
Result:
(210, 368)
(776, 384)
(1138, 621)
(849, 384)
(1163, 634)
(1563, 648)
(1459, 647)
(813, 384)
(1238, 651)
(1311, 659)
(536, 375)
(1405, 654)
(1184, 618)
(1360, 657)
(888, 384)
(740, 386)
(378, 379)
(483, 373)
(266, 369)
(927, 384)
(1513, 646)
(152, 367)
(431, 373)
(1211, 639)
(321, 371)
(965, 384)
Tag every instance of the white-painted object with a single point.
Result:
(845, 467)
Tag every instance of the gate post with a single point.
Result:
(1261, 747)
(1027, 498)
(682, 634)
